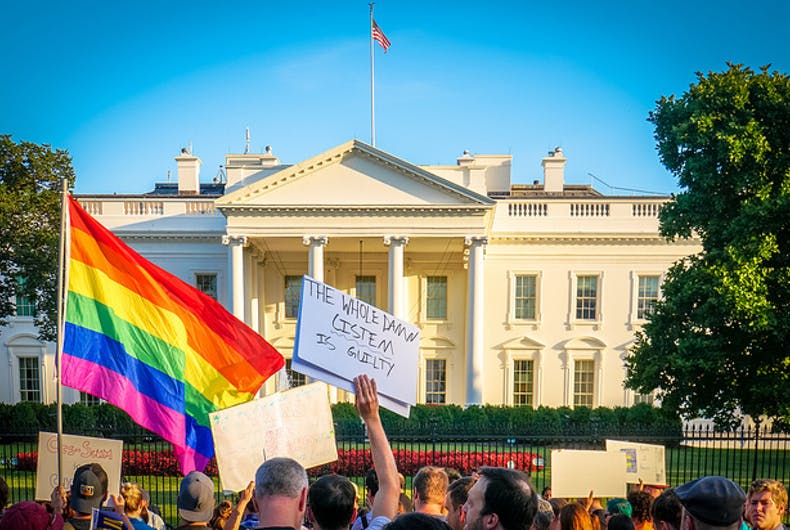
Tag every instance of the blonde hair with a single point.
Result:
(132, 496)
(777, 489)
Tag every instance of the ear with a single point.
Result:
(490, 520)
(303, 500)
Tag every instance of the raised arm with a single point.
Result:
(385, 503)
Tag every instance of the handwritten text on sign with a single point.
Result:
(348, 336)
(75, 451)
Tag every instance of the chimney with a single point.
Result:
(188, 168)
(554, 171)
(465, 160)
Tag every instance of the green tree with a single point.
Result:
(718, 343)
(30, 183)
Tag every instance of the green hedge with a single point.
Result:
(425, 420)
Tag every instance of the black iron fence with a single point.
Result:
(742, 456)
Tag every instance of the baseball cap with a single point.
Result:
(87, 491)
(717, 501)
(619, 505)
(196, 498)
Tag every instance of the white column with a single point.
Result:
(237, 244)
(474, 325)
(395, 300)
(315, 267)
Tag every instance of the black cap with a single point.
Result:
(717, 501)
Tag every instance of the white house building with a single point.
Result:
(524, 294)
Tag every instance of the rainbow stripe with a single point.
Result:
(152, 345)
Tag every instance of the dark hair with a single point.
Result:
(620, 522)
(542, 520)
(510, 495)
(332, 499)
(416, 521)
(372, 483)
(666, 507)
(557, 504)
(3, 493)
(452, 474)
(543, 493)
(459, 490)
(640, 505)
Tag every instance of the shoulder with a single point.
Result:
(378, 523)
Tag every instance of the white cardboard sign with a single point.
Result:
(642, 461)
(339, 337)
(75, 451)
(296, 423)
(574, 473)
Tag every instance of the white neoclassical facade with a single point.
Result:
(524, 294)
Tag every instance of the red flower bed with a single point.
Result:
(350, 462)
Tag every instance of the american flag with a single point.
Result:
(379, 36)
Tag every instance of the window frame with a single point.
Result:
(23, 301)
(445, 393)
(572, 299)
(576, 372)
(375, 288)
(285, 277)
(633, 316)
(512, 319)
(424, 299)
(198, 274)
(38, 368)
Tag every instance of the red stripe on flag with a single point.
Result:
(379, 36)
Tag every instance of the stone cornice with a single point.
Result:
(360, 211)
(588, 239)
(170, 236)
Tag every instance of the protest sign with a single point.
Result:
(107, 520)
(296, 423)
(574, 473)
(339, 337)
(76, 451)
(643, 461)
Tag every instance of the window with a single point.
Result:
(294, 378)
(647, 296)
(366, 289)
(583, 383)
(587, 297)
(436, 297)
(523, 378)
(29, 379)
(207, 283)
(525, 297)
(293, 291)
(25, 307)
(436, 381)
(643, 398)
(88, 399)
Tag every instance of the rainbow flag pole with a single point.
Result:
(63, 258)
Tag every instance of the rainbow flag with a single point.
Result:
(152, 345)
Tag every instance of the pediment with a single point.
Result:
(585, 343)
(523, 343)
(352, 175)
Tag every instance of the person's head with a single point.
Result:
(452, 474)
(640, 502)
(454, 501)
(711, 503)
(619, 506)
(546, 493)
(331, 502)
(29, 515)
(3, 493)
(501, 498)
(430, 486)
(221, 514)
(620, 522)
(666, 511)
(132, 497)
(766, 504)
(196, 498)
(372, 483)
(404, 504)
(281, 492)
(574, 516)
(89, 488)
(416, 521)
(542, 520)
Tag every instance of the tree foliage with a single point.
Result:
(718, 343)
(30, 184)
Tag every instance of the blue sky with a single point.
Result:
(124, 85)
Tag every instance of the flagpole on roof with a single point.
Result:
(62, 284)
(372, 86)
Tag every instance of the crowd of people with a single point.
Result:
(281, 498)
